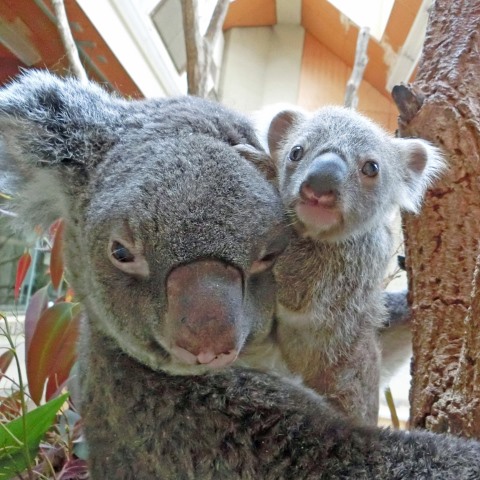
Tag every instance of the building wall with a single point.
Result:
(323, 80)
(285, 64)
(261, 66)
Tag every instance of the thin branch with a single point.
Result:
(68, 42)
(361, 60)
(194, 48)
(216, 22)
(391, 407)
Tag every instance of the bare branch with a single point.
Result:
(68, 42)
(194, 46)
(216, 22)
(361, 60)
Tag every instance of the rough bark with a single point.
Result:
(458, 410)
(199, 47)
(443, 105)
(361, 60)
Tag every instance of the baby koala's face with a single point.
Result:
(338, 172)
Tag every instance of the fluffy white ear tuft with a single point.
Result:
(52, 132)
(273, 122)
(423, 164)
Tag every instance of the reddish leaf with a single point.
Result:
(37, 305)
(65, 359)
(56, 326)
(54, 387)
(22, 269)
(56, 256)
(52, 230)
(5, 361)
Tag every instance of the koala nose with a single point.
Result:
(325, 176)
(205, 318)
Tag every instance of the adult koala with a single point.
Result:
(170, 236)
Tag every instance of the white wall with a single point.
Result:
(261, 66)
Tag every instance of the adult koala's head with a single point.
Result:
(170, 232)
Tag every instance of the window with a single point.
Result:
(369, 13)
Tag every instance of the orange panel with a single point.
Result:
(103, 60)
(323, 81)
(42, 32)
(323, 76)
(251, 13)
(39, 24)
(377, 107)
(324, 22)
(401, 19)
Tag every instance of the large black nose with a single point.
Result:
(326, 174)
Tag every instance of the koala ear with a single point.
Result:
(52, 132)
(423, 163)
(280, 126)
(261, 159)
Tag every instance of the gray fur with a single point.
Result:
(330, 277)
(396, 335)
(171, 185)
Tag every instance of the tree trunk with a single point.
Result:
(443, 105)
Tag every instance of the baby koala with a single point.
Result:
(340, 177)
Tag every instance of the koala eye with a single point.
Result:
(269, 258)
(296, 153)
(264, 263)
(370, 168)
(128, 258)
(121, 253)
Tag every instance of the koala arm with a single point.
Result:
(396, 335)
(241, 424)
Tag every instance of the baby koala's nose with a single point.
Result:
(325, 176)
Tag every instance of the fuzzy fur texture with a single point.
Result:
(396, 335)
(330, 278)
(168, 179)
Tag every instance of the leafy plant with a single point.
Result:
(40, 442)
(20, 438)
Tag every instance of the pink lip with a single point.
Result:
(206, 358)
(319, 212)
(327, 200)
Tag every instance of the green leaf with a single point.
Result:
(56, 326)
(20, 438)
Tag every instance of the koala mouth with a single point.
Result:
(318, 213)
(326, 200)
